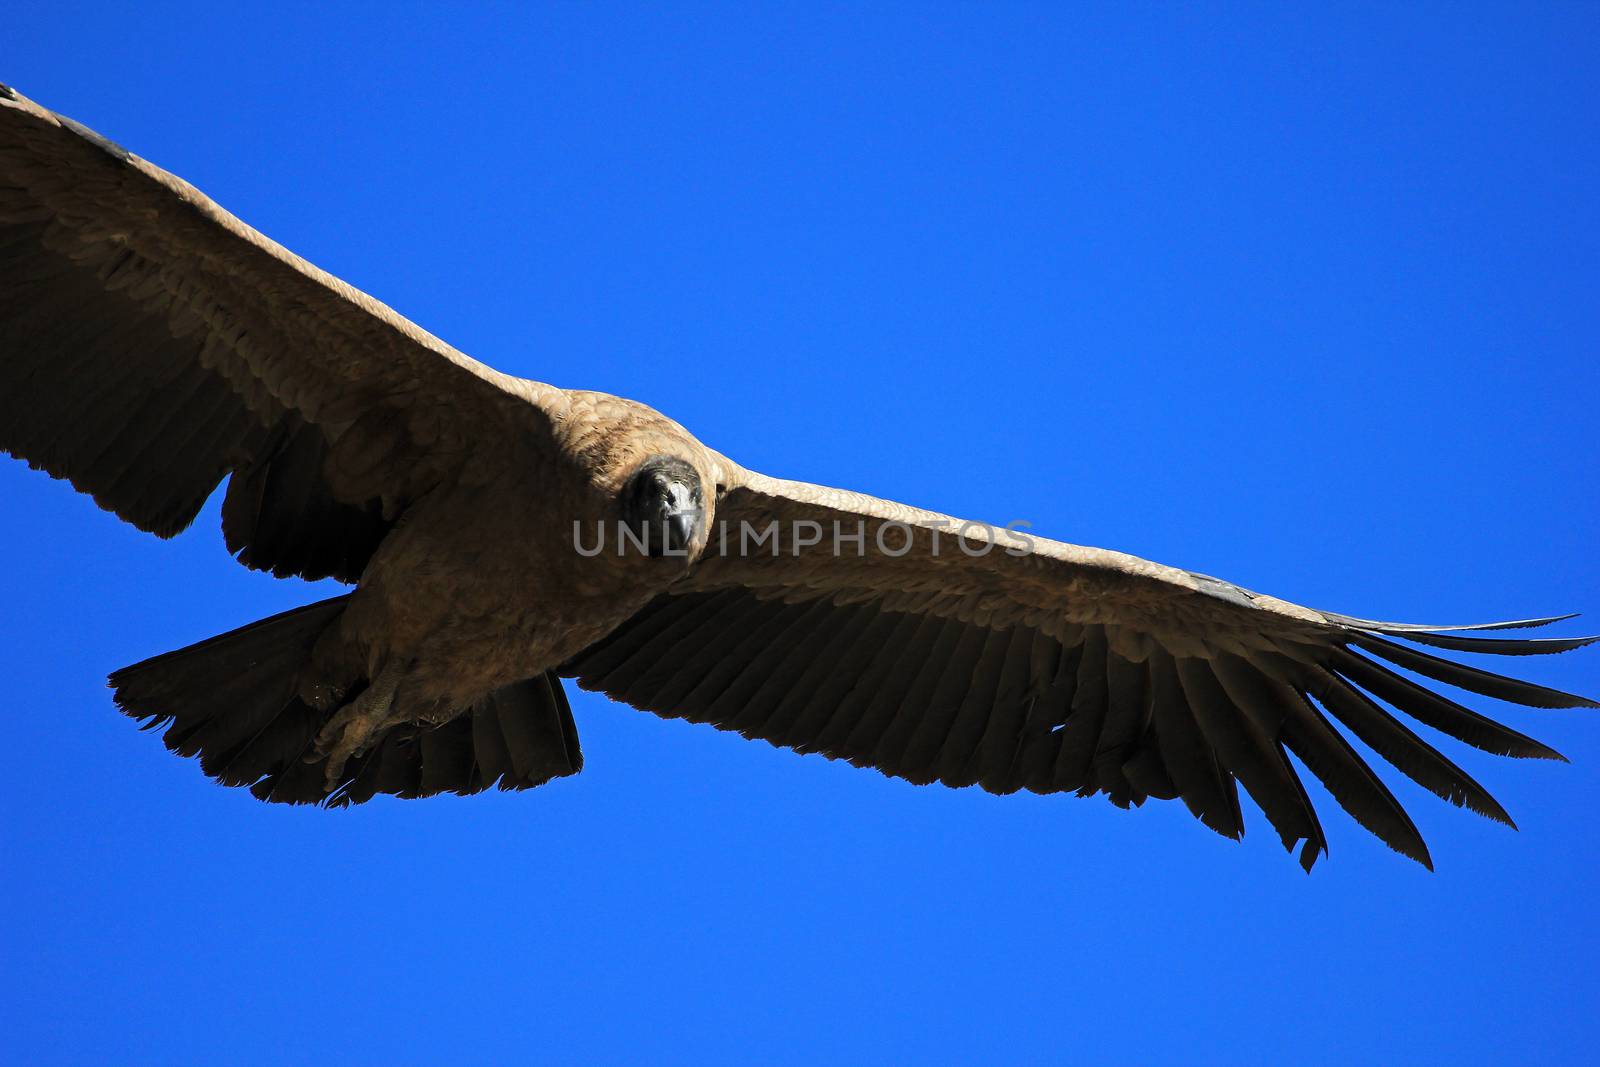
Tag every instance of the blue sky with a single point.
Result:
(1304, 301)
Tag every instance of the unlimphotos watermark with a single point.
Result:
(845, 538)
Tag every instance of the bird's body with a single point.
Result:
(502, 534)
(468, 608)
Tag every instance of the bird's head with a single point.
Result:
(664, 504)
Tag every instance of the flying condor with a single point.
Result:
(152, 345)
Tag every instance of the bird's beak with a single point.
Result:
(680, 531)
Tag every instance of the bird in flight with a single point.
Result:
(502, 535)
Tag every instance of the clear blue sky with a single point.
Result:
(1307, 302)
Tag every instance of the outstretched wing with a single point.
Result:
(827, 621)
(150, 343)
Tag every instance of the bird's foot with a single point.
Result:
(354, 727)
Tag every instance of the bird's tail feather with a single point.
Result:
(234, 701)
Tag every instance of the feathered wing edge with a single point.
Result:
(152, 345)
(933, 699)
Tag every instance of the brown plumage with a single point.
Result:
(152, 345)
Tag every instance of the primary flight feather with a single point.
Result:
(502, 535)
